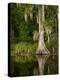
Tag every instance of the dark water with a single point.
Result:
(25, 68)
(51, 65)
(30, 68)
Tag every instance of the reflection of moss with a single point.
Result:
(52, 63)
(24, 58)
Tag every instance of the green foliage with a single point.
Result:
(24, 46)
(22, 30)
(53, 41)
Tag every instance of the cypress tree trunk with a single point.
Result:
(41, 43)
(42, 51)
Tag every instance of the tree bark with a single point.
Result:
(41, 43)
